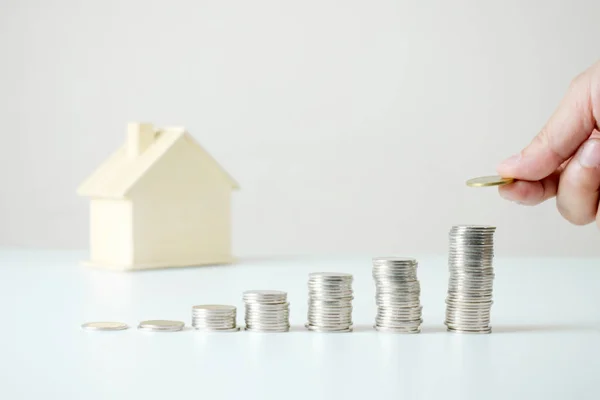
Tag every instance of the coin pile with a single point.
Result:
(214, 317)
(161, 326)
(397, 295)
(470, 285)
(330, 298)
(267, 311)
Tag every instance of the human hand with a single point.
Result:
(563, 160)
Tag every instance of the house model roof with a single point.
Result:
(115, 177)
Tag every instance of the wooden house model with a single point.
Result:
(158, 201)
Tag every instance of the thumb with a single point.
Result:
(570, 125)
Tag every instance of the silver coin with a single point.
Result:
(161, 325)
(329, 317)
(271, 308)
(213, 328)
(214, 308)
(394, 260)
(316, 321)
(332, 329)
(398, 316)
(147, 329)
(258, 326)
(256, 322)
(328, 321)
(397, 302)
(199, 329)
(261, 328)
(480, 319)
(394, 323)
(267, 330)
(104, 326)
(267, 315)
(265, 293)
(468, 318)
(337, 289)
(265, 297)
(409, 319)
(415, 329)
(331, 294)
(330, 275)
(213, 320)
(208, 320)
(398, 294)
(451, 310)
(474, 330)
(329, 305)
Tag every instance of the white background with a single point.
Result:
(350, 125)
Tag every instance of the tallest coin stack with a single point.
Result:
(470, 258)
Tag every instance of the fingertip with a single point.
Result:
(508, 192)
(523, 192)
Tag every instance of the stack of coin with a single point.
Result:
(267, 311)
(214, 317)
(397, 295)
(330, 298)
(470, 286)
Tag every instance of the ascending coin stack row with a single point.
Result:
(469, 299)
(267, 311)
(330, 298)
(397, 295)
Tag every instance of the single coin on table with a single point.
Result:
(493, 180)
(161, 326)
(104, 326)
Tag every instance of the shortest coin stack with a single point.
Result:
(397, 295)
(161, 326)
(330, 298)
(267, 311)
(214, 318)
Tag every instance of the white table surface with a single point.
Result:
(545, 343)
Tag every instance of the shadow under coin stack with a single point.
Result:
(214, 318)
(397, 295)
(267, 311)
(470, 258)
(330, 298)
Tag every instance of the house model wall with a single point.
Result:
(159, 201)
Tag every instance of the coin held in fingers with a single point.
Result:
(493, 180)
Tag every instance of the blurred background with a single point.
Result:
(351, 126)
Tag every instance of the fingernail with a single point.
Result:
(590, 154)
